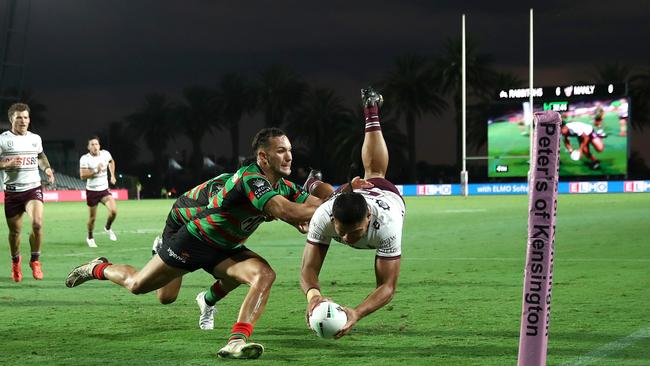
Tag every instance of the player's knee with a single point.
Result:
(14, 233)
(264, 276)
(37, 225)
(166, 299)
(137, 287)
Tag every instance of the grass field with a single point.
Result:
(505, 139)
(458, 300)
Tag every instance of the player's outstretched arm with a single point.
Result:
(312, 261)
(291, 212)
(387, 272)
(567, 144)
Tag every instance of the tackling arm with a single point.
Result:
(285, 210)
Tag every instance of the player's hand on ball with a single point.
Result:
(575, 155)
(317, 299)
(353, 317)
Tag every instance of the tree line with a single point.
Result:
(326, 132)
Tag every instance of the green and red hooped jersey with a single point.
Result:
(197, 199)
(236, 210)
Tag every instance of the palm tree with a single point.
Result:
(448, 74)
(154, 123)
(640, 95)
(312, 122)
(478, 111)
(235, 97)
(198, 116)
(280, 91)
(410, 89)
(348, 133)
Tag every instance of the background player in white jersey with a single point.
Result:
(368, 218)
(93, 167)
(586, 137)
(21, 154)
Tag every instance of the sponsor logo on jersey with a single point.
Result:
(376, 225)
(385, 243)
(10, 144)
(259, 186)
(383, 204)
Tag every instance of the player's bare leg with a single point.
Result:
(34, 209)
(15, 224)
(109, 202)
(168, 293)
(90, 226)
(374, 153)
(251, 269)
(154, 275)
(207, 300)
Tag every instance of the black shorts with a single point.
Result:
(385, 185)
(184, 250)
(171, 225)
(93, 198)
(15, 201)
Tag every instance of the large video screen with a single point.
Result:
(594, 138)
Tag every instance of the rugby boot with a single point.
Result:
(37, 272)
(16, 271)
(369, 98)
(314, 177)
(206, 319)
(83, 273)
(239, 348)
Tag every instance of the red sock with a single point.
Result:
(98, 271)
(372, 118)
(241, 331)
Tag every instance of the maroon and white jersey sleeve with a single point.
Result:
(384, 231)
(100, 181)
(25, 148)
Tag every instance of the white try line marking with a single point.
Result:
(612, 347)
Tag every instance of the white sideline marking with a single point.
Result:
(610, 348)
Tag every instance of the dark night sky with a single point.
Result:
(92, 62)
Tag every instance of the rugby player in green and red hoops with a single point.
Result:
(214, 239)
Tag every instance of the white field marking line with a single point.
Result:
(99, 247)
(609, 348)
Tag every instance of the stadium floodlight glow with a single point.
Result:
(542, 207)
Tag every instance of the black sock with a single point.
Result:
(35, 256)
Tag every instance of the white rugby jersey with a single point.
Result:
(100, 181)
(25, 148)
(384, 231)
(579, 128)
